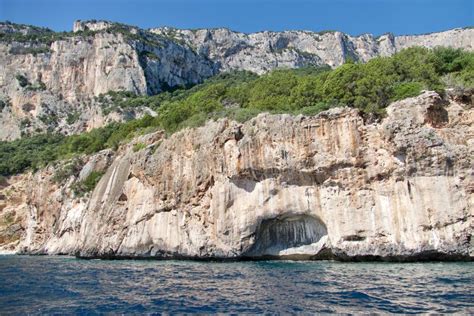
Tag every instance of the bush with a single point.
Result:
(71, 168)
(149, 55)
(72, 117)
(5, 103)
(313, 110)
(239, 114)
(21, 50)
(49, 120)
(405, 90)
(22, 81)
(138, 147)
(3, 181)
(88, 184)
(32, 152)
(39, 86)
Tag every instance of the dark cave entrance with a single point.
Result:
(277, 234)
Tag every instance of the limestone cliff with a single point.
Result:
(264, 51)
(50, 81)
(328, 186)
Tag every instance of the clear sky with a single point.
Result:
(350, 16)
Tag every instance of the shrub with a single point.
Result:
(3, 181)
(39, 86)
(405, 90)
(72, 117)
(138, 147)
(73, 167)
(22, 81)
(24, 123)
(449, 60)
(149, 55)
(32, 152)
(88, 184)
(313, 110)
(49, 120)
(21, 50)
(239, 114)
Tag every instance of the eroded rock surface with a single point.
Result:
(329, 186)
(53, 85)
(264, 51)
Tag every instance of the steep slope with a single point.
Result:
(264, 51)
(47, 78)
(50, 81)
(328, 186)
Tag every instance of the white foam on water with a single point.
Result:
(7, 252)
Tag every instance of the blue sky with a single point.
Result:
(350, 16)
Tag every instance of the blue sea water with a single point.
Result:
(64, 285)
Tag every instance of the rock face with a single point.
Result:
(42, 84)
(264, 51)
(50, 82)
(329, 186)
(64, 80)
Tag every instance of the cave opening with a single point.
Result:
(282, 233)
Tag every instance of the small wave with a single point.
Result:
(57, 285)
(7, 252)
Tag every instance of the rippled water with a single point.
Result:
(66, 285)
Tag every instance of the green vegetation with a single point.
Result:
(138, 147)
(72, 117)
(118, 101)
(149, 55)
(325, 32)
(88, 184)
(406, 89)
(32, 152)
(45, 37)
(34, 35)
(36, 50)
(369, 87)
(49, 120)
(24, 123)
(241, 95)
(4, 103)
(3, 181)
(40, 39)
(38, 86)
(70, 168)
(22, 81)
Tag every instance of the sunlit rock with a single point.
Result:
(281, 186)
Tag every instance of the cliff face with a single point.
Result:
(64, 80)
(44, 83)
(264, 51)
(51, 84)
(278, 185)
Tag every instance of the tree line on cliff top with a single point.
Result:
(240, 95)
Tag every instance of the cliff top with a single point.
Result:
(102, 25)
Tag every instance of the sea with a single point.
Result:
(66, 285)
